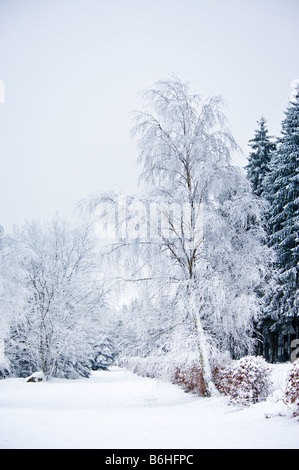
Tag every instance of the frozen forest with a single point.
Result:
(194, 280)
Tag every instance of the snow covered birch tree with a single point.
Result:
(194, 234)
(218, 262)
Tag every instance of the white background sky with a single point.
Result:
(73, 69)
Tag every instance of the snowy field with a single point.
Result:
(119, 410)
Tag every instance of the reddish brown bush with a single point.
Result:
(223, 379)
(190, 377)
(292, 390)
(247, 382)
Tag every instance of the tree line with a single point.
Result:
(272, 169)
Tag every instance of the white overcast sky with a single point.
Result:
(72, 70)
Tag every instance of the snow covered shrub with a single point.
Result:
(190, 377)
(247, 382)
(220, 366)
(137, 365)
(151, 366)
(223, 379)
(292, 391)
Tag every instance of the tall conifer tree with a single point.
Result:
(281, 188)
(260, 157)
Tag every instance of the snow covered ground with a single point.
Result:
(119, 410)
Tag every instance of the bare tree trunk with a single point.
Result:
(204, 356)
(202, 347)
